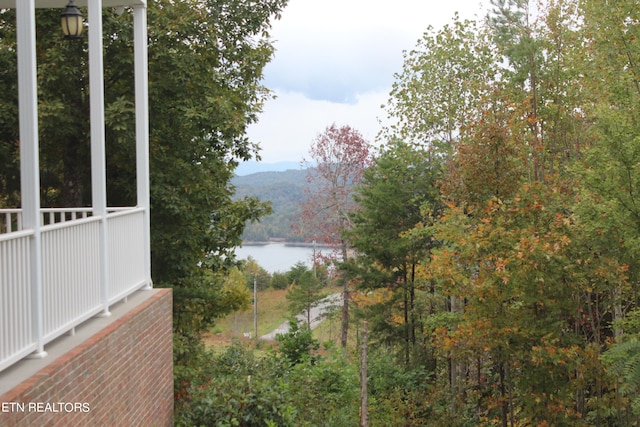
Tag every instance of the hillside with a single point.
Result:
(251, 166)
(286, 191)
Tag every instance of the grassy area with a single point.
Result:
(272, 312)
(330, 330)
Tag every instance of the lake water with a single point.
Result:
(276, 256)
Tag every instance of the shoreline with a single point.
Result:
(292, 244)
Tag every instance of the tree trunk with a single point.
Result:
(617, 311)
(407, 326)
(457, 368)
(345, 300)
(412, 304)
(364, 400)
(504, 405)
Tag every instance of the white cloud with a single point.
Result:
(361, 62)
(291, 122)
(335, 62)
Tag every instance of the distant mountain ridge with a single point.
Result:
(250, 167)
(286, 192)
(267, 178)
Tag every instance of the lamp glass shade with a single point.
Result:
(71, 20)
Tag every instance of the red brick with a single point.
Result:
(124, 372)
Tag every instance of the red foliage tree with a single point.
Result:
(339, 157)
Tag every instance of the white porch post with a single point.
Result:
(142, 128)
(29, 159)
(98, 156)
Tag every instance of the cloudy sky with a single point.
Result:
(335, 62)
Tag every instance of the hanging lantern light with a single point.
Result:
(71, 20)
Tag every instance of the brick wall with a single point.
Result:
(121, 376)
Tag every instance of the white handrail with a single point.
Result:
(11, 219)
(65, 224)
(72, 291)
(15, 235)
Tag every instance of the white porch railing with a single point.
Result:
(11, 219)
(71, 273)
(126, 253)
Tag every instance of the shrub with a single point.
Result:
(297, 344)
(236, 388)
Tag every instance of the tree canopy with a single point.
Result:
(531, 272)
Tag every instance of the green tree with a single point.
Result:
(540, 47)
(609, 198)
(9, 140)
(279, 281)
(63, 113)
(305, 293)
(235, 283)
(515, 257)
(237, 387)
(516, 38)
(442, 79)
(297, 343)
(609, 202)
(397, 193)
(295, 272)
(205, 64)
(206, 61)
(240, 386)
(515, 262)
(252, 270)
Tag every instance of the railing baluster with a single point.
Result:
(71, 271)
(11, 219)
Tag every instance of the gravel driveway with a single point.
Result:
(318, 313)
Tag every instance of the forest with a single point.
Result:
(286, 191)
(489, 239)
(493, 236)
(507, 263)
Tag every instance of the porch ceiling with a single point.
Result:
(53, 4)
